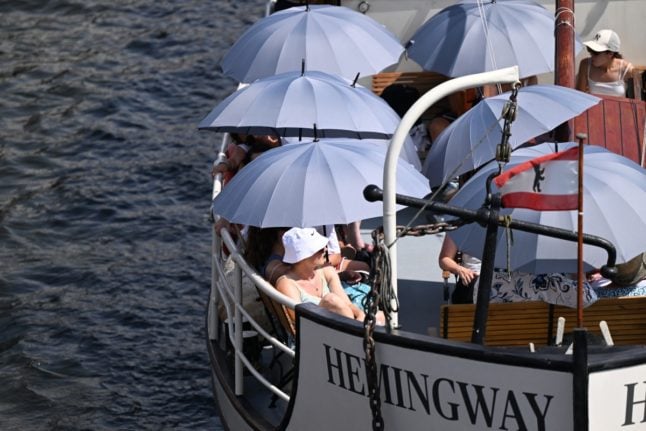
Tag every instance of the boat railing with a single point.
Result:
(504, 76)
(227, 291)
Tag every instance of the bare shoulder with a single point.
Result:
(329, 272)
(629, 66)
(286, 285)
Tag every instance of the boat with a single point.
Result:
(418, 374)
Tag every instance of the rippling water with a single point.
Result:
(104, 193)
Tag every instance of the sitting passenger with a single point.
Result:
(465, 268)
(605, 72)
(308, 279)
(264, 251)
(241, 151)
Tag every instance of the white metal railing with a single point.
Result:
(229, 294)
(508, 75)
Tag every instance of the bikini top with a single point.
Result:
(308, 297)
(612, 88)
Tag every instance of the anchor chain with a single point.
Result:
(381, 294)
(372, 303)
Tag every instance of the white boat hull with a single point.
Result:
(431, 383)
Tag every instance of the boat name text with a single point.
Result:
(448, 398)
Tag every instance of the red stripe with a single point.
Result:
(539, 201)
(571, 154)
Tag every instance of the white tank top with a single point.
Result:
(612, 88)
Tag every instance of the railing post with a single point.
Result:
(237, 329)
(214, 298)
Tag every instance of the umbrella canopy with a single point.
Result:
(295, 104)
(614, 205)
(468, 37)
(471, 140)
(333, 39)
(312, 184)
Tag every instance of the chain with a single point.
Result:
(372, 302)
(503, 151)
(381, 294)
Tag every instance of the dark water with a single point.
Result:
(104, 194)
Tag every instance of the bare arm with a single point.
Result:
(448, 263)
(286, 286)
(582, 76)
(334, 283)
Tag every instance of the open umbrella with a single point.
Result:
(306, 104)
(475, 36)
(312, 184)
(614, 205)
(471, 140)
(333, 39)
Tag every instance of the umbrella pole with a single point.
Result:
(579, 303)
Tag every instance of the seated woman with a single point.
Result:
(605, 72)
(308, 279)
(264, 251)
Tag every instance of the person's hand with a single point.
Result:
(465, 274)
(350, 277)
(220, 168)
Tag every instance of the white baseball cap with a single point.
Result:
(604, 40)
(301, 243)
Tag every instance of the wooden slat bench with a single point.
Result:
(519, 323)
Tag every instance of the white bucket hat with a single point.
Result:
(604, 40)
(301, 243)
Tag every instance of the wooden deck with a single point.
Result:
(616, 124)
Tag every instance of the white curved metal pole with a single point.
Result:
(503, 76)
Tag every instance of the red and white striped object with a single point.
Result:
(547, 183)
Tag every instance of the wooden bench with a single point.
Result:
(521, 323)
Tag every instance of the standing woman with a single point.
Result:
(605, 72)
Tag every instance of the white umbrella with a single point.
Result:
(471, 140)
(333, 39)
(312, 184)
(614, 205)
(305, 104)
(475, 36)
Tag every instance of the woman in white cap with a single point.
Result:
(308, 279)
(605, 72)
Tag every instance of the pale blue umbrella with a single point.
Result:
(471, 140)
(312, 184)
(614, 207)
(456, 41)
(305, 104)
(333, 39)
